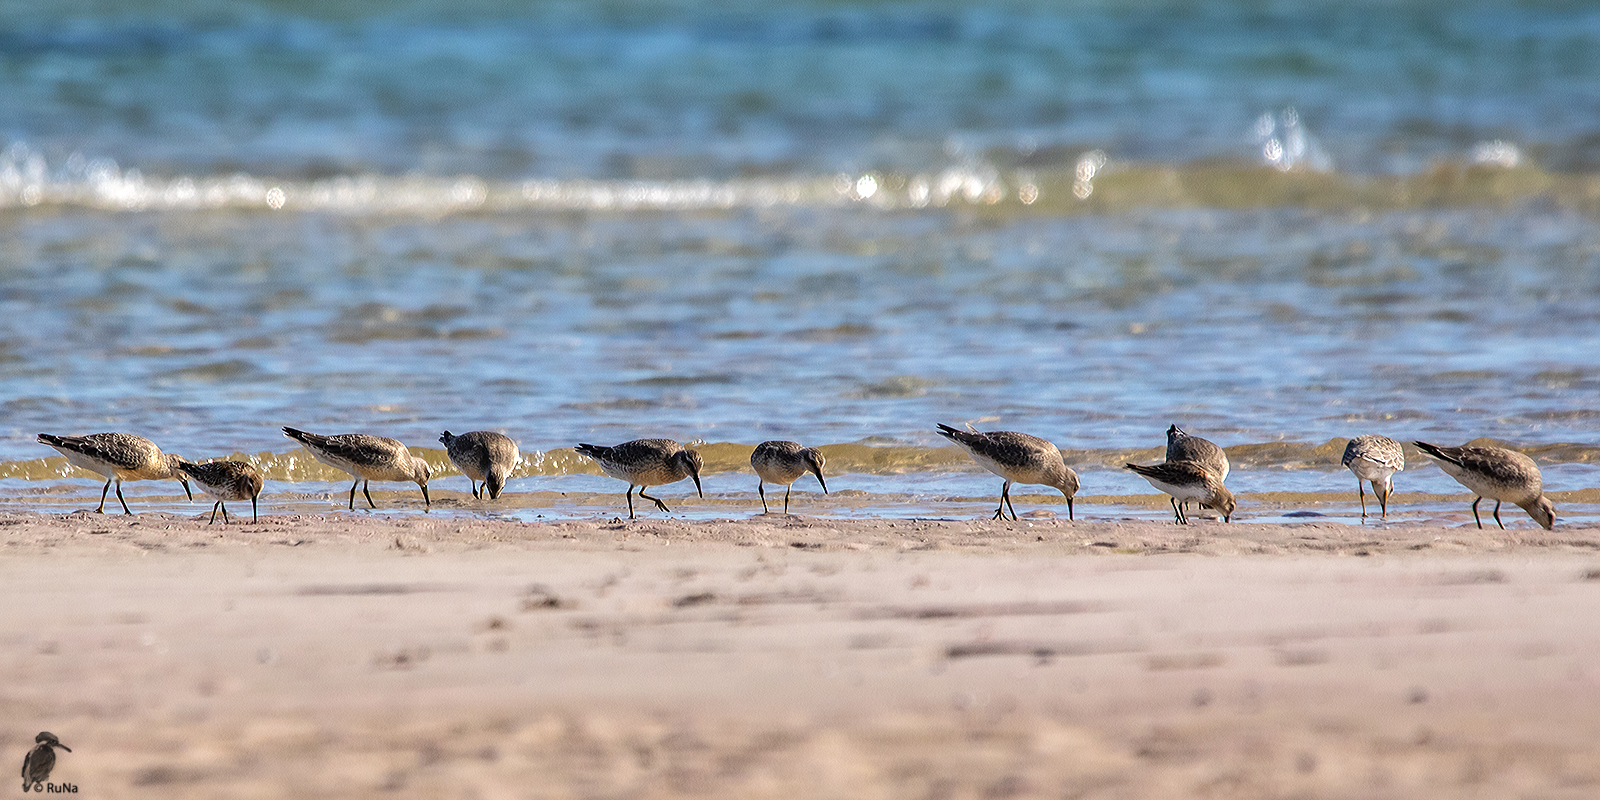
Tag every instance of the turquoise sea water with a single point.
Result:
(1278, 225)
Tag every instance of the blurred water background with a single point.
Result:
(837, 221)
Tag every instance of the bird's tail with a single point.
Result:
(1436, 451)
(51, 439)
(303, 437)
(591, 450)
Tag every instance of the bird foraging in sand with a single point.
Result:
(366, 458)
(647, 462)
(1019, 458)
(1499, 474)
(227, 480)
(119, 457)
(483, 456)
(1188, 481)
(783, 463)
(1374, 459)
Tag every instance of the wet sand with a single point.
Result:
(355, 655)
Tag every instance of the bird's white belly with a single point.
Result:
(82, 461)
(1367, 470)
(1009, 473)
(1182, 493)
(1482, 486)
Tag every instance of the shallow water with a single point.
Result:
(838, 223)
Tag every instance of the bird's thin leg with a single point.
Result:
(1006, 493)
(659, 504)
(763, 492)
(102, 508)
(1475, 503)
(1000, 513)
(786, 491)
(1497, 515)
(1177, 513)
(224, 507)
(1383, 499)
(214, 514)
(629, 495)
(353, 494)
(366, 489)
(1363, 493)
(122, 500)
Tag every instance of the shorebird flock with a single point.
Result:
(1194, 471)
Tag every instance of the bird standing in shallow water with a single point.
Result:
(1188, 481)
(645, 463)
(1499, 474)
(367, 459)
(1183, 447)
(483, 456)
(783, 463)
(1374, 459)
(227, 480)
(39, 761)
(119, 457)
(1019, 458)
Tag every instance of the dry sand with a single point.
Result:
(357, 656)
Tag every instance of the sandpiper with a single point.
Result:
(1019, 458)
(119, 457)
(645, 463)
(1374, 459)
(783, 463)
(36, 765)
(1183, 447)
(366, 458)
(1498, 474)
(227, 480)
(1186, 481)
(483, 456)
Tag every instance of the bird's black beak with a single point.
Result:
(426, 502)
(191, 499)
(697, 488)
(63, 747)
(818, 473)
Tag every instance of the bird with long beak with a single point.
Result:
(1188, 481)
(227, 480)
(1499, 474)
(118, 457)
(783, 463)
(483, 456)
(647, 462)
(36, 765)
(366, 458)
(1019, 458)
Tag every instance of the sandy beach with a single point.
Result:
(353, 655)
